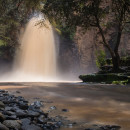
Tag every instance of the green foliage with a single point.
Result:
(2, 43)
(68, 32)
(101, 14)
(109, 61)
(100, 58)
(120, 82)
(124, 61)
(14, 14)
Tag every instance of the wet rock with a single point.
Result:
(2, 91)
(70, 125)
(2, 117)
(16, 114)
(65, 110)
(37, 104)
(18, 92)
(33, 113)
(21, 113)
(31, 127)
(3, 127)
(20, 98)
(9, 101)
(5, 94)
(25, 123)
(59, 123)
(42, 119)
(13, 124)
(23, 106)
(14, 109)
(2, 105)
(49, 127)
(13, 117)
(8, 108)
(110, 127)
(9, 113)
(2, 98)
(52, 107)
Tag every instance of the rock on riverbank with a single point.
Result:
(17, 114)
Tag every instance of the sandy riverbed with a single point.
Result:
(93, 104)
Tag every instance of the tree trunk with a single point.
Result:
(114, 54)
(116, 62)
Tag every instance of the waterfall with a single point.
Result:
(35, 59)
(37, 53)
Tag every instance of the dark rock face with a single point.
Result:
(87, 46)
(68, 55)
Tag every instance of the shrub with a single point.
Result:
(100, 58)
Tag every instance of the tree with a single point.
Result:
(92, 13)
(14, 14)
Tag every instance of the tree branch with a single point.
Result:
(103, 37)
(120, 28)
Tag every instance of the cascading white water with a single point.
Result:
(37, 54)
(36, 58)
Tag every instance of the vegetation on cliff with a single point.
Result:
(92, 13)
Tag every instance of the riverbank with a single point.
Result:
(86, 104)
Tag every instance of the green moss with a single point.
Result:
(107, 78)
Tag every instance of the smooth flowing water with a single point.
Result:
(35, 60)
(37, 55)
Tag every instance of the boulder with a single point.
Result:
(13, 124)
(33, 113)
(42, 119)
(2, 117)
(2, 105)
(3, 127)
(21, 113)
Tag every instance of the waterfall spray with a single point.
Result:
(37, 54)
(36, 58)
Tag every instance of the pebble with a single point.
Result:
(52, 107)
(65, 110)
(18, 92)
